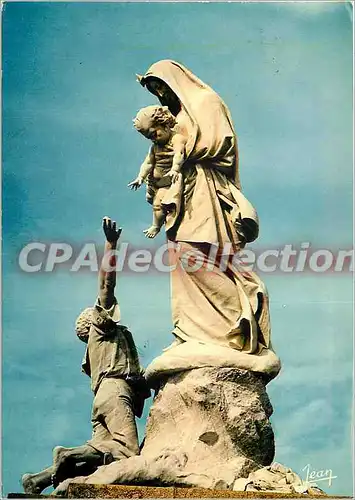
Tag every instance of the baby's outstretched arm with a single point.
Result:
(146, 168)
(179, 143)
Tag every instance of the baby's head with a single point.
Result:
(155, 123)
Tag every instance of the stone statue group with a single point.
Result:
(209, 422)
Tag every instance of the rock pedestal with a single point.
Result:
(207, 427)
(115, 491)
(215, 420)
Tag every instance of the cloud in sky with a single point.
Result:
(69, 150)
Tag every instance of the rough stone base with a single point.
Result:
(118, 491)
(218, 418)
(206, 428)
(26, 495)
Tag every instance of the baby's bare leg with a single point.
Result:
(158, 220)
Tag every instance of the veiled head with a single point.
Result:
(164, 93)
(199, 110)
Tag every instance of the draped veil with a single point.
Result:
(224, 307)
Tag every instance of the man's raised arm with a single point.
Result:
(107, 274)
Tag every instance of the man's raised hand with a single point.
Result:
(112, 234)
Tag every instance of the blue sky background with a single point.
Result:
(69, 150)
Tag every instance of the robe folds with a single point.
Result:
(206, 208)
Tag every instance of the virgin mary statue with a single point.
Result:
(219, 305)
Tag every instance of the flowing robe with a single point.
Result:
(214, 305)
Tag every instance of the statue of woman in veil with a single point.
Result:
(207, 213)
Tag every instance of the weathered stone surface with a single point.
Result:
(276, 478)
(182, 356)
(119, 491)
(26, 495)
(219, 418)
(206, 428)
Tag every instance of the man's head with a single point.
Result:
(83, 324)
(155, 123)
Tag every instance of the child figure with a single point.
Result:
(162, 166)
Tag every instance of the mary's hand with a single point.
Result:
(174, 175)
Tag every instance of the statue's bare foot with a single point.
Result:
(152, 231)
(29, 484)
